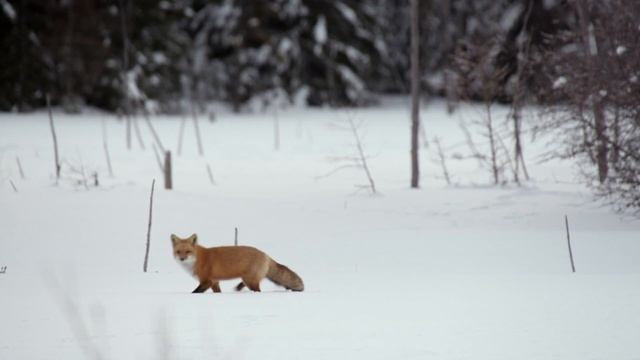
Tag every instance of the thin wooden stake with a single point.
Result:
(128, 132)
(106, 148)
(138, 132)
(197, 126)
(146, 253)
(566, 222)
(147, 120)
(55, 139)
(183, 123)
(158, 161)
(443, 160)
(168, 179)
(13, 185)
(235, 240)
(213, 182)
(20, 168)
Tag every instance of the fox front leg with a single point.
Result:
(204, 286)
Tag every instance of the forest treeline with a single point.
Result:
(321, 52)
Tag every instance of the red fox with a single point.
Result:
(210, 265)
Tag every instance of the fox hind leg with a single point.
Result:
(215, 286)
(252, 284)
(202, 287)
(240, 286)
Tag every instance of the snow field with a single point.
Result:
(468, 271)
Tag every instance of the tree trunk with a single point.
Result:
(125, 68)
(599, 117)
(415, 94)
(602, 158)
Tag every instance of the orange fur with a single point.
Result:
(232, 262)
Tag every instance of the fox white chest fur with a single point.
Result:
(187, 264)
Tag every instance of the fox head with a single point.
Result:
(184, 250)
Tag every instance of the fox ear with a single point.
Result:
(194, 239)
(174, 238)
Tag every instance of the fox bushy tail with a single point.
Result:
(283, 276)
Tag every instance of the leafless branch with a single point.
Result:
(338, 169)
(508, 160)
(442, 158)
(356, 160)
(363, 159)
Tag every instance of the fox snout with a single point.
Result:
(181, 256)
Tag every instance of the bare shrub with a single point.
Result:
(595, 82)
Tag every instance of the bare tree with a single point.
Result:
(590, 48)
(415, 94)
(596, 86)
(520, 94)
(76, 172)
(125, 67)
(478, 72)
(357, 160)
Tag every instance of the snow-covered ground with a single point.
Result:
(468, 271)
